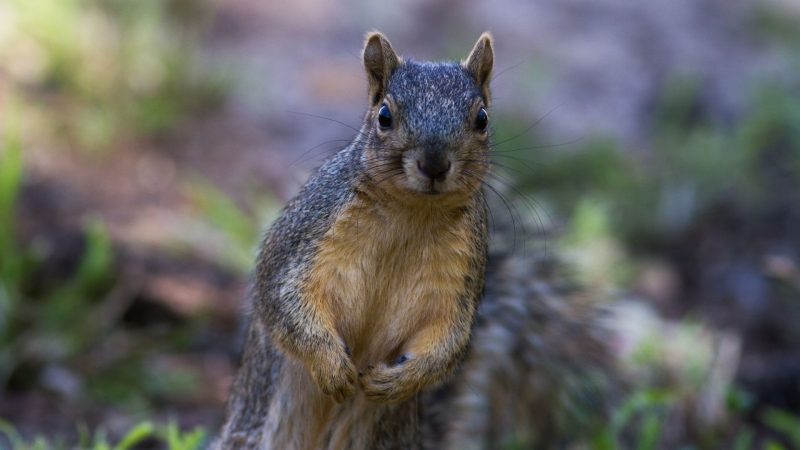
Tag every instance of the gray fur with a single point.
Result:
(434, 99)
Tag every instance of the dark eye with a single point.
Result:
(481, 120)
(384, 117)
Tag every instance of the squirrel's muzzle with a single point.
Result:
(434, 164)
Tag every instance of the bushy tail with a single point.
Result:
(539, 373)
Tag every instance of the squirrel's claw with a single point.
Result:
(337, 378)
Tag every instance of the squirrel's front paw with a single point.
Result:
(395, 383)
(336, 375)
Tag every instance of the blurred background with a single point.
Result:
(145, 145)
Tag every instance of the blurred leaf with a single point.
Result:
(650, 432)
(223, 213)
(240, 230)
(11, 259)
(11, 169)
(169, 434)
(137, 434)
(68, 304)
(785, 423)
(738, 400)
(8, 430)
(590, 222)
(192, 440)
(773, 445)
(638, 402)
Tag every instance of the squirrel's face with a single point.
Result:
(427, 128)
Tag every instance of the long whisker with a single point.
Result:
(536, 147)
(513, 213)
(316, 116)
(531, 205)
(530, 127)
(507, 69)
(307, 152)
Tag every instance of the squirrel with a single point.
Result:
(368, 288)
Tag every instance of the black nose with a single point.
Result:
(434, 168)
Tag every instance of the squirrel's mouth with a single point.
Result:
(427, 187)
(433, 187)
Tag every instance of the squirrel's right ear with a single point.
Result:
(480, 62)
(380, 61)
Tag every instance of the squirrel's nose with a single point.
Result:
(434, 168)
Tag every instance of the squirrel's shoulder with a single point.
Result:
(308, 215)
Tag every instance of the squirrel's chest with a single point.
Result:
(385, 276)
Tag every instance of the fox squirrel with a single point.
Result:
(368, 285)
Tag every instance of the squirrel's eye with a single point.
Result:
(481, 120)
(384, 117)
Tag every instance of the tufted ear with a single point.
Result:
(480, 62)
(380, 61)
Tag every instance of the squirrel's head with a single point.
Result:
(427, 128)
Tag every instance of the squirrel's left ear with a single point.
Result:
(380, 61)
(480, 62)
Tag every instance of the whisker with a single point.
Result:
(306, 153)
(513, 212)
(530, 127)
(507, 69)
(531, 205)
(316, 116)
(536, 147)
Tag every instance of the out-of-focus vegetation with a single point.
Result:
(55, 327)
(52, 324)
(693, 163)
(95, 72)
(85, 76)
(11, 262)
(238, 231)
(169, 436)
(625, 209)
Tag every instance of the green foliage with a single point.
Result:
(642, 415)
(52, 326)
(222, 213)
(785, 423)
(619, 205)
(133, 383)
(176, 440)
(137, 434)
(55, 326)
(64, 309)
(10, 181)
(168, 436)
(598, 260)
(100, 70)
(58, 322)
(238, 230)
(11, 263)
(693, 163)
